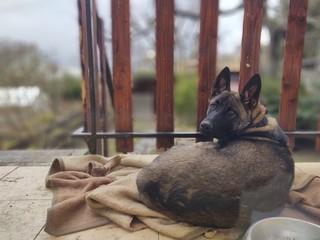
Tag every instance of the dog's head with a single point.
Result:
(229, 113)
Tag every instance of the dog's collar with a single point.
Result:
(251, 126)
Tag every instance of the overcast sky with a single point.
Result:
(52, 25)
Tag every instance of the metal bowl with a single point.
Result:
(282, 228)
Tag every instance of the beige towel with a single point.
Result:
(71, 180)
(109, 187)
(90, 191)
(304, 196)
(119, 201)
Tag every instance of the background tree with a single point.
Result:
(24, 64)
(46, 122)
(276, 20)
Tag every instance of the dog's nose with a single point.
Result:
(205, 126)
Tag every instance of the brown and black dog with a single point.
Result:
(223, 184)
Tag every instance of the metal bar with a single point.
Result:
(97, 90)
(303, 133)
(103, 79)
(79, 133)
(91, 78)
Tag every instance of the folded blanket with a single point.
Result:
(71, 178)
(70, 184)
(90, 191)
(304, 196)
(119, 202)
(109, 187)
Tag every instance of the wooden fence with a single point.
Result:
(118, 84)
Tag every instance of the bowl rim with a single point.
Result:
(284, 218)
(290, 219)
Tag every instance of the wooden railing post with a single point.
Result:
(164, 70)
(94, 91)
(209, 12)
(291, 69)
(122, 72)
(84, 63)
(252, 25)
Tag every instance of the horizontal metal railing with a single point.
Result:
(80, 133)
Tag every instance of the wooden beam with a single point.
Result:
(122, 72)
(252, 25)
(164, 70)
(84, 62)
(209, 12)
(291, 69)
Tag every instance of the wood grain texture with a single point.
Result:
(252, 25)
(84, 63)
(122, 72)
(291, 69)
(209, 12)
(164, 70)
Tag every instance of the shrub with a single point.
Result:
(185, 98)
(308, 107)
(308, 102)
(71, 89)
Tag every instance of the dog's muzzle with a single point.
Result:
(205, 127)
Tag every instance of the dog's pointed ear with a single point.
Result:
(222, 82)
(251, 92)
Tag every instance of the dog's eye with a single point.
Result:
(231, 112)
(214, 105)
